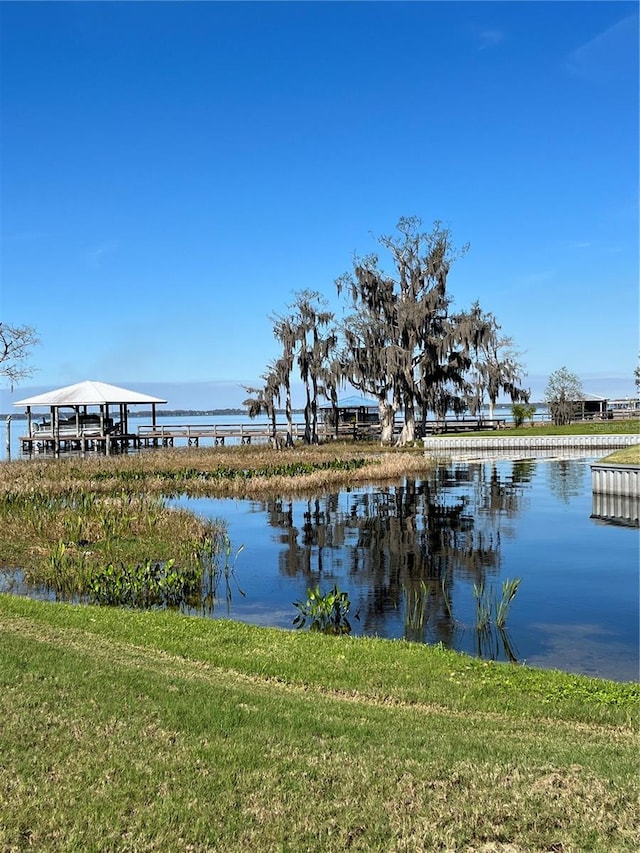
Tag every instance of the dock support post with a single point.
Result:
(8, 436)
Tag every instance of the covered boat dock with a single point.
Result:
(89, 415)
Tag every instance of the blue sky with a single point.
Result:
(172, 173)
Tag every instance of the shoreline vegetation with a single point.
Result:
(64, 519)
(149, 730)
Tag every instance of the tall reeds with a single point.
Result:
(490, 610)
(491, 619)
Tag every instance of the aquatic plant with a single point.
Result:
(483, 606)
(147, 584)
(491, 619)
(213, 574)
(326, 613)
(509, 589)
(488, 609)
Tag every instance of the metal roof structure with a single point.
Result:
(89, 393)
(354, 402)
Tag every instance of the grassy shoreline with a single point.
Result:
(130, 730)
(127, 730)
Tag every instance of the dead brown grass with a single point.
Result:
(168, 471)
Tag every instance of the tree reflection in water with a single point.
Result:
(565, 479)
(405, 547)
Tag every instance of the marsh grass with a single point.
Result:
(489, 608)
(127, 730)
(247, 471)
(492, 636)
(423, 602)
(63, 519)
(67, 542)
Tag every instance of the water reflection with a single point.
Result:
(616, 509)
(565, 478)
(410, 553)
(408, 544)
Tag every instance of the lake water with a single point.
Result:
(408, 556)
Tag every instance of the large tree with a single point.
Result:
(16, 343)
(402, 343)
(308, 338)
(263, 400)
(364, 360)
(315, 339)
(563, 395)
(495, 363)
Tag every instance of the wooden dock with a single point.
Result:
(162, 435)
(39, 443)
(192, 435)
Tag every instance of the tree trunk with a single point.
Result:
(289, 439)
(307, 415)
(314, 411)
(408, 434)
(387, 415)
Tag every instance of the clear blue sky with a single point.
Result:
(173, 172)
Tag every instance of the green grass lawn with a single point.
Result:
(624, 456)
(149, 731)
(613, 427)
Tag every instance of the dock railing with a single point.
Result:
(165, 434)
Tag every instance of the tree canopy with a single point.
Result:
(563, 396)
(399, 340)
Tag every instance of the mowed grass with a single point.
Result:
(624, 456)
(612, 427)
(150, 731)
(134, 731)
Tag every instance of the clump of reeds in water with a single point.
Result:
(491, 618)
(424, 602)
(490, 610)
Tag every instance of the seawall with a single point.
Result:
(543, 442)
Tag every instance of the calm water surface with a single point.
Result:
(409, 555)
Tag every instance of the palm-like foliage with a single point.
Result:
(314, 349)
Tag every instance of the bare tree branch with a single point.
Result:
(16, 343)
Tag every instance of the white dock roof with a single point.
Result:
(88, 393)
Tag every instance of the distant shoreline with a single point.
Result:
(171, 413)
